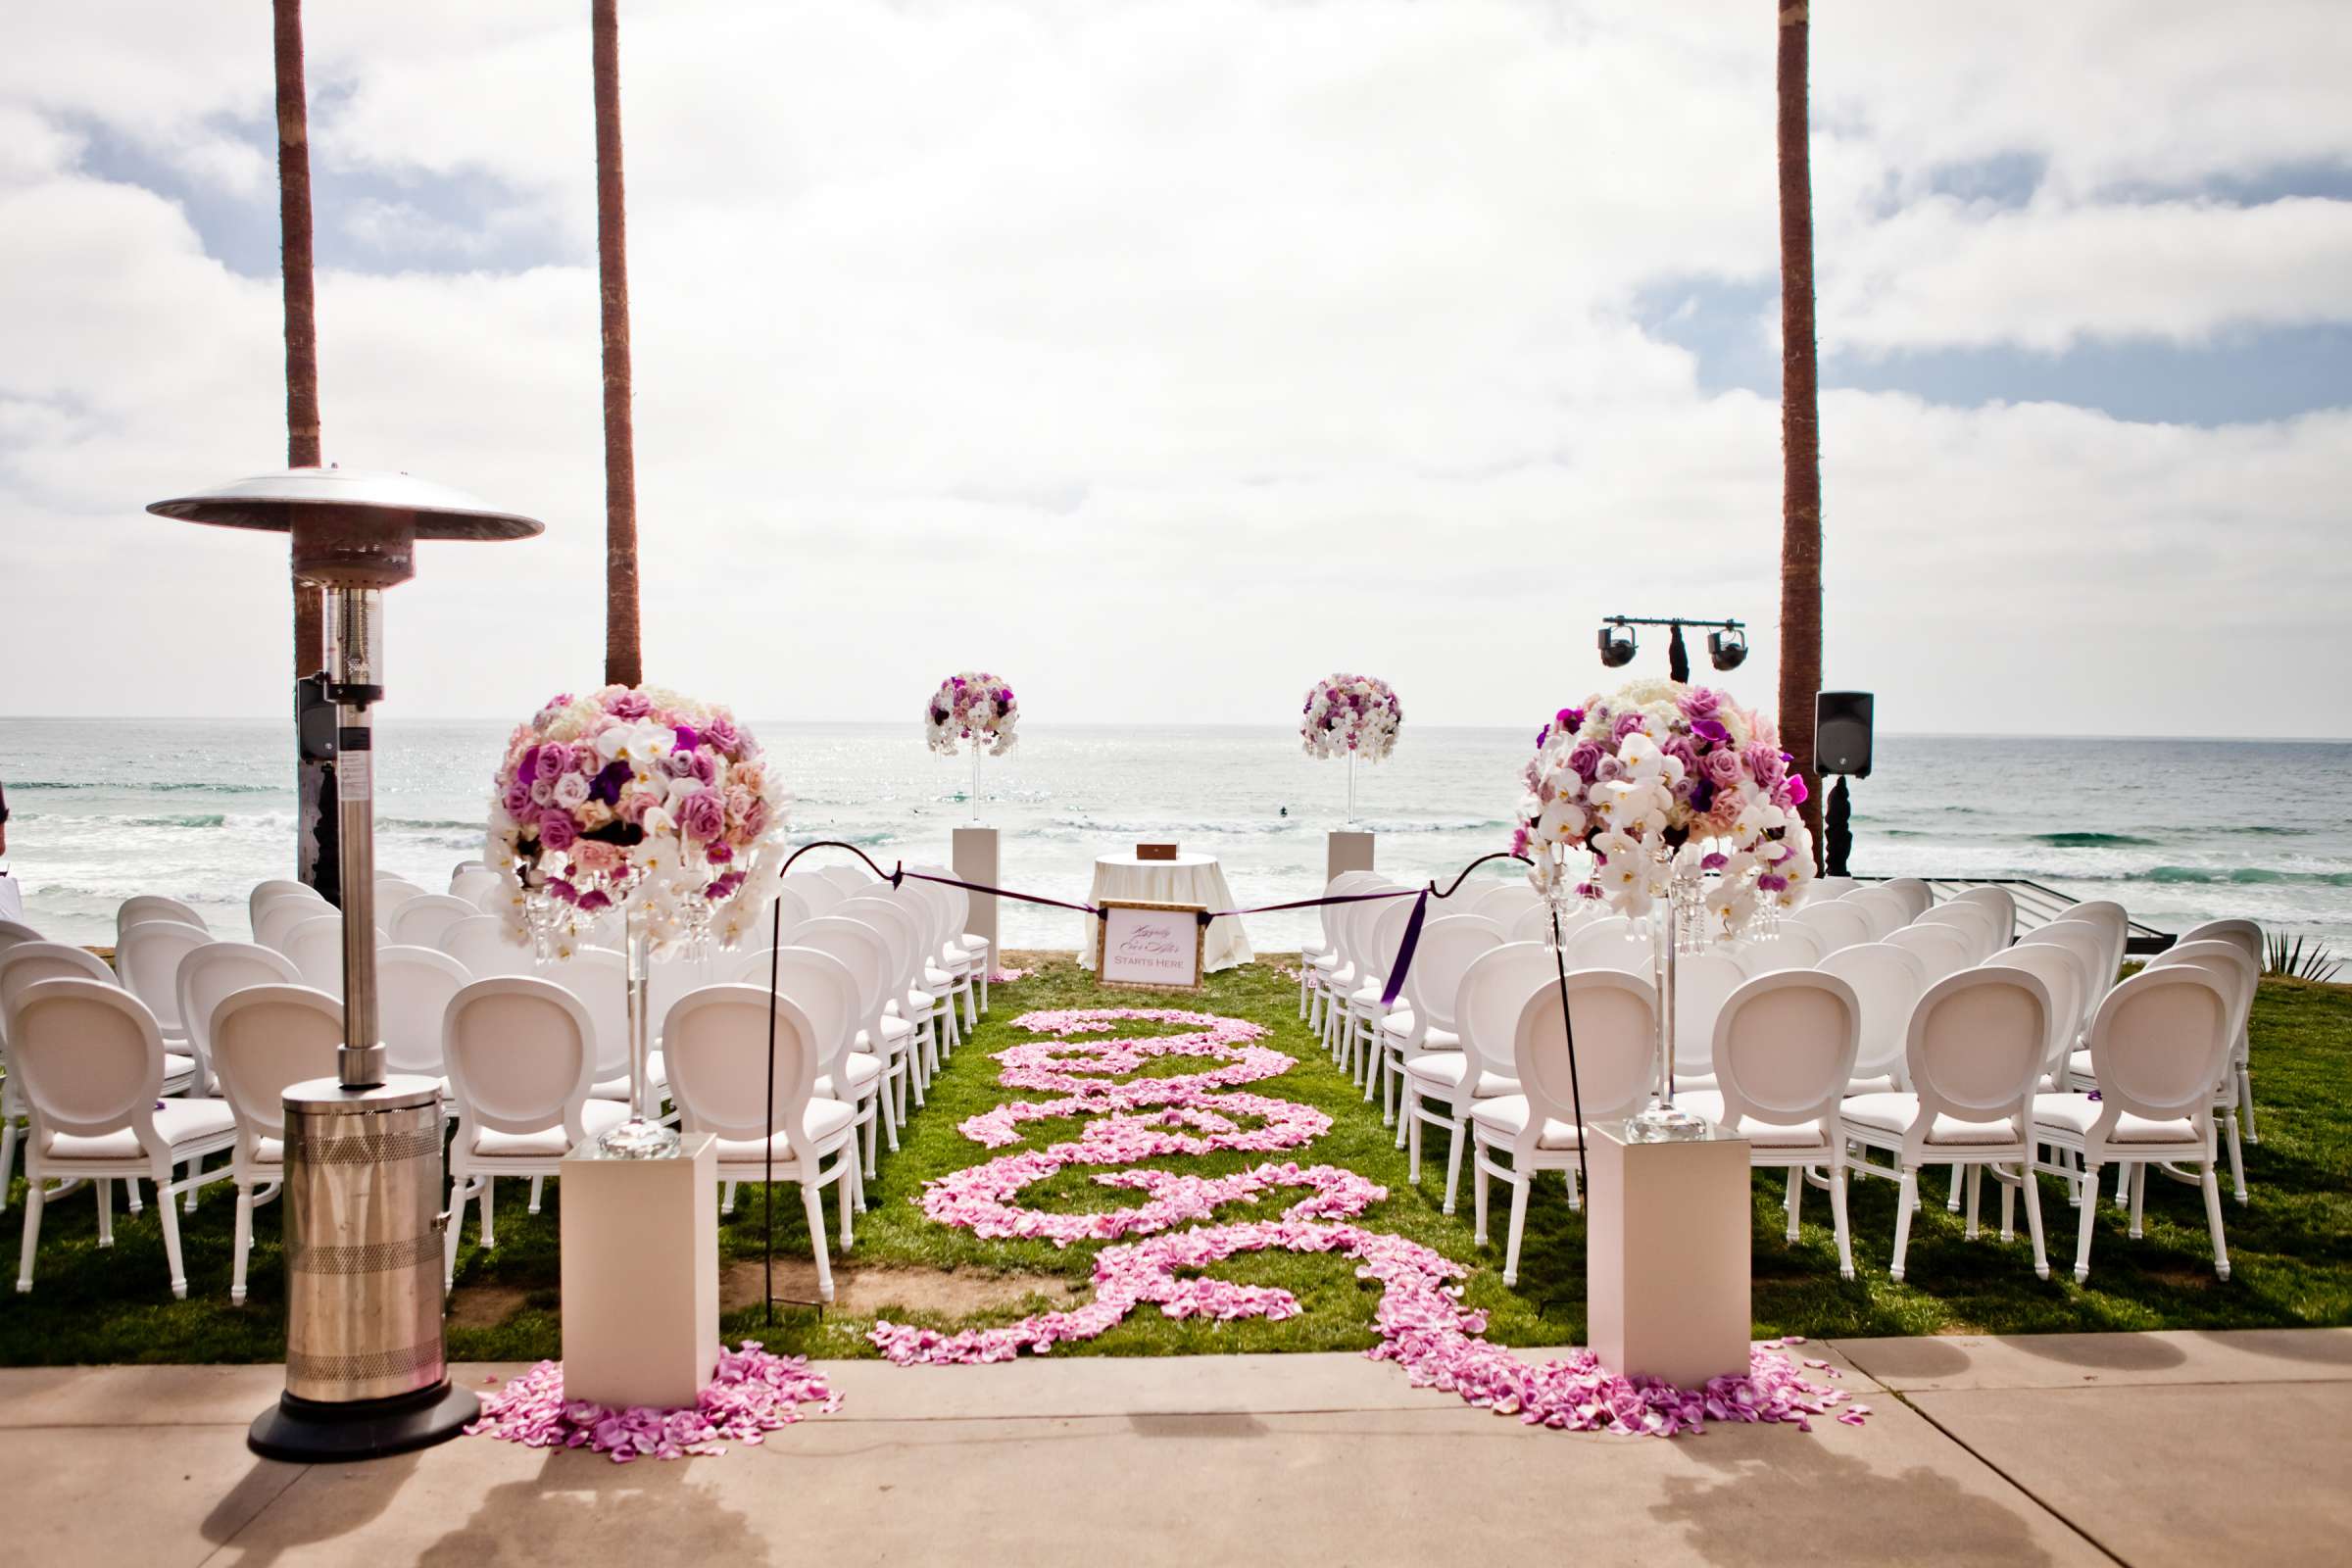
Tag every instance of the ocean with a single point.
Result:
(2179, 831)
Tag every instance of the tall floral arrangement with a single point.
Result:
(974, 707)
(1661, 776)
(1350, 715)
(640, 800)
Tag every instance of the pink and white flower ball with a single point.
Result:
(974, 707)
(637, 798)
(1350, 715)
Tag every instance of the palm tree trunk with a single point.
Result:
(1800, 419)
(623, 660)
(314, 859)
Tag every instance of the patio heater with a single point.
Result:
(366, 1368)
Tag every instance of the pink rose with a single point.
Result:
(598, 857)
(1722, 768)
(634, 804)
(516, 799)
(702, 815)
(558, 832)
(555, 759)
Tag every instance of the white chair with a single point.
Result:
(520, 1056)
(392, 894)
(1318, 958)
(1504, 904)
(1424, 1025)
(22, 966)
(13, 932)
(148, 956)
(966, 966)
(2162, 1041)
(1350, 925)
(1916, 895)
(272, 891)
(210, 973)
(876, 1031)
(316, 947)
(414, 987)
(1615, 1016)
(420, 921)
(1790, 946)
(1441, 1088)
(480, 942)
(828, 993)
(2248, 937)
(2114, 925)
(814, 890)
(1368, 1013)
(1784, 1052)
(1940, 950)
(1611, 942)
(720, 1068)
(2239, 977)
(977, 949)
(911, 991)
(154, 906)
(92, 1064)
(2061, 974)
(853, 880)
(1839, 924)
(282, 915)
(1704, 982)
(266, 1038)
(475, 886)
(2001, 903)
(1886, 912)
(1886, 982)
(1972, 920)
(1974, 1059)
(1534, 925)
(1825, 888)
(2087, 941)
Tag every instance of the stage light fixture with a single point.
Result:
(1616, 646)
(1728, 649)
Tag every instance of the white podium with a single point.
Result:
(641, 1276)
(1666, 1256)
(1348, 850)
(975, 860)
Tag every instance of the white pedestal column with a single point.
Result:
(1666, 1257)
(1350, 850)
(641, 1276)
(975, 860)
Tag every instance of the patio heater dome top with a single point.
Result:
(352, 527)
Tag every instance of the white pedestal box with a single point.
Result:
(1666, 1256)
(975, 860)
(641, 1276)
(1350, 849)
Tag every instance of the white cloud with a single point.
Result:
(1291, 335)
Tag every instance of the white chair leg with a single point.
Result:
(2212, 1223)
(1521, 1192)
(1304, 967)
(2042, 1257)
(537, 1183)
(812, 1205)
(2123, 1189)
(2238, 1159)
(2009, 1201)
(1457, 1133)
(244, 1246)
(1796, 1199)
(1477, 1206)
(1976, 1183)
(726, 1197)
(1952, 1203)
(194, 1186)
(2139, 1195)
(2084, 1221)
(32, 1236)
(449, 1237)
(132, 1199)
(1412, 1141)
(489, 1230)
(1845, 1241)
(845, 1179)
(1576, 1199)
(8, 1156)
(1906, 1199)
(105, 1210)
(2246, 1109)
(169, 1212)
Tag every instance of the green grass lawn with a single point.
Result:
(2291, 1247)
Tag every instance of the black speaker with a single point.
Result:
(1841, 733)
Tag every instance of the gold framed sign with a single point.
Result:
(1150, 947)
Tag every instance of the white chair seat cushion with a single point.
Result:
(1400, 1024)
(596, 1118)
(2075, 1113)
(859, 1069)
(1895, 1112)
(1709, 1102)
(938, 979)
(1443, 1070)
(206, 1124)
(176, 1065)
(618, 1088)
(1687, 1083)
(1506, 1117)
(2078, 1064)
(893, 1030)
(1368, 995)
(922, 1000)
(825, 1122)
(1882, 1084)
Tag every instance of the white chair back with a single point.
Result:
(15, 932)
(316, 946)
(718, 1055)
(899, 934)
(2001, 905)
(2086, 940)
(148, 959)
(2243, 935)
(281, 916)
(598, 978)
(89, 1060)
(479, 943)
(1434, 984)
(825, 988)
(1827, 888)
(520, 1056)
(1704, 982)
(266, 1038)
(1504, 904)
(414, 987)
(863, 951)
(1973, 922)
(2237, 976)
(270, 891)
(214, 971)
(1916, 895)
(850, 880)
(1886, 982)
(1839, 924)
(1534, 925)
(2061, 974)
(1387, 938)
(2114, 925)
(419, 922)
(2160, 1042)
(1975, 1050)
(475, 885)
(1785, 1048)
(814, 890)
(1492, 993)
(28, 963)
(1887, 912)
(1340, 886)
(1790, 946)
(1610, 942)
(1615, 1015)
(392, 893)
(1940, 950)
(154, 906)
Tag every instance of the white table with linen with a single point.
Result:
(1189, 878)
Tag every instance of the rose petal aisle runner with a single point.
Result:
(1424, 1325)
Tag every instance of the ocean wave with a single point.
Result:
(2246, 875)
(429, 823)
(191, 819)
(148, 787)
(2087, 840)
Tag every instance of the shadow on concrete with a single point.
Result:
(1798, 1502)
(1232, 1424)
(1885, 1360)
(357, 1494)
(2316, 1349)
(592, 1513)
(2100, 1352)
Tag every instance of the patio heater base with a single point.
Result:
(307, 1431)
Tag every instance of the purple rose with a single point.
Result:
(631, 704)
(516, 799)
(558, 831)
(722, 733)
(1723, 769)
(1766, 765)
(1701, 701)
(1700, 793)
(1679, 746)
(1627, 724)
(607, 785)
(529, 768)
(703, 815)
(1609, 770)
(1586, 757)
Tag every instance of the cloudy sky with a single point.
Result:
(1164, 355)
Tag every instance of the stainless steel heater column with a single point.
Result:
(366, 1370)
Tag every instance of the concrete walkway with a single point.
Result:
(2145, 1450)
